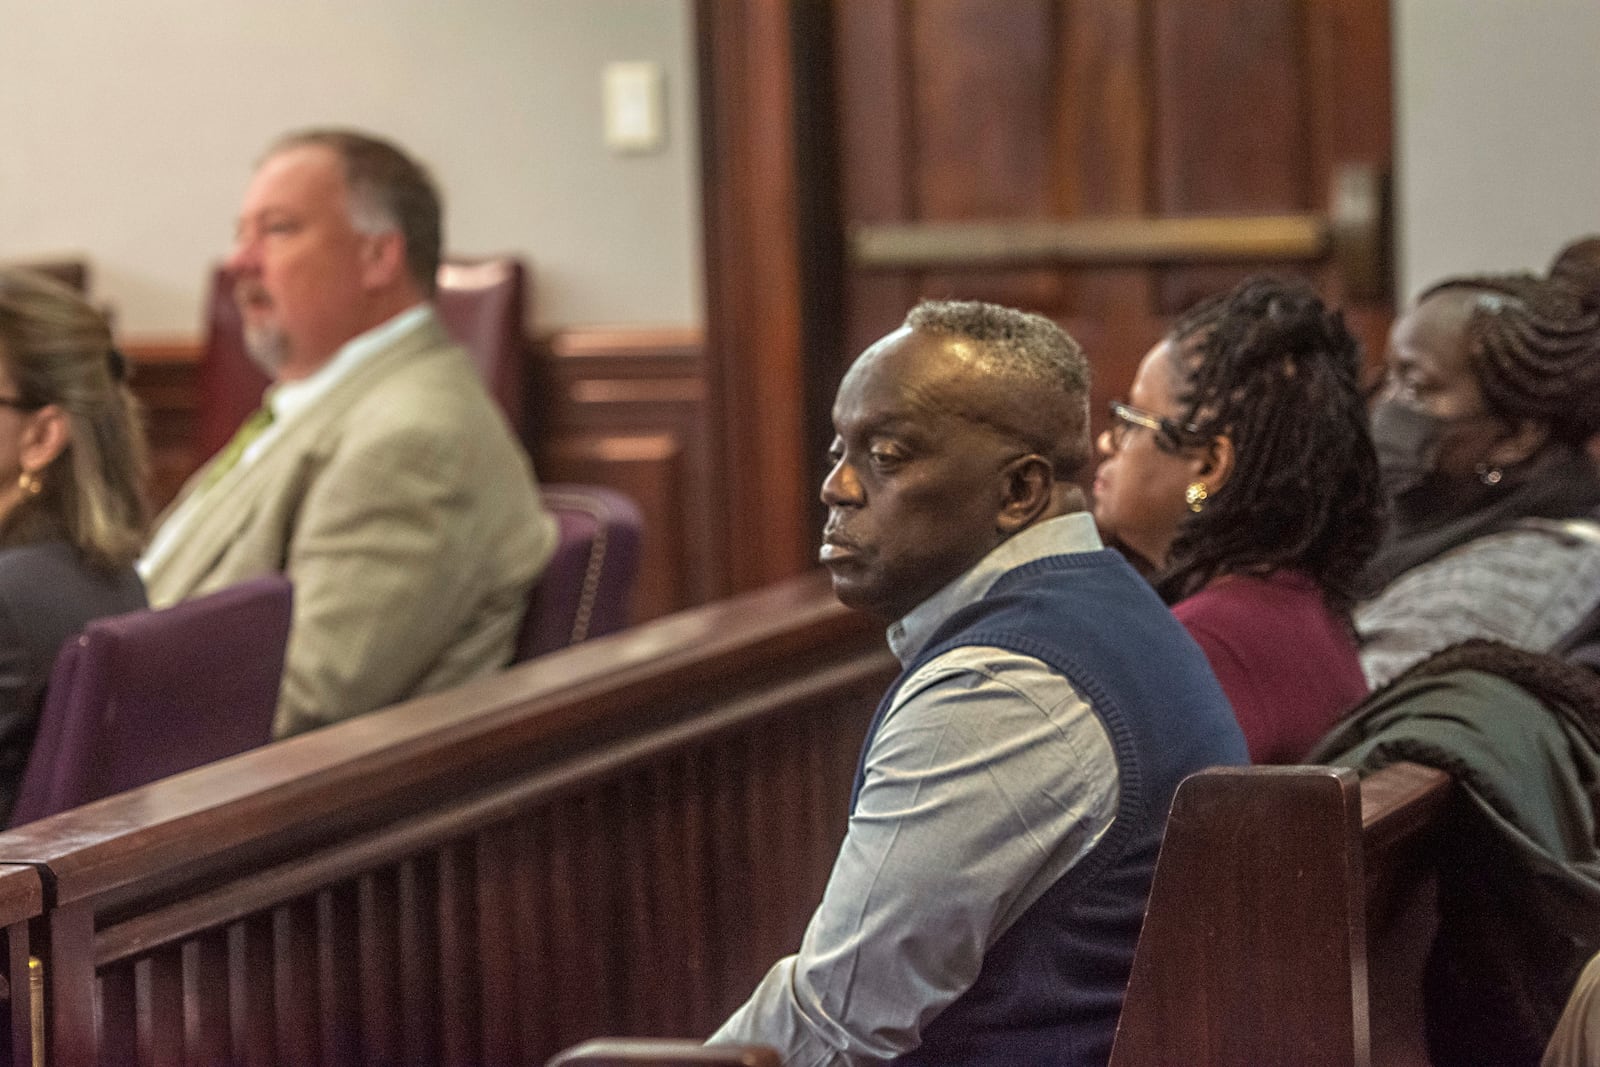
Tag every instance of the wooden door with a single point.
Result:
(864, 124)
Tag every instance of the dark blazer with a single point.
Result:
(48, 593)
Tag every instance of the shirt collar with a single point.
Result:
(288, 399)
(1054, 537)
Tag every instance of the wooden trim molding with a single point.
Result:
(755, 344)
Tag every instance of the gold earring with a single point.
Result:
(29, 483)
(1195, 496)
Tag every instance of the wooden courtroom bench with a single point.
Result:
(1288, 922)
(616, 838)
(21, 977)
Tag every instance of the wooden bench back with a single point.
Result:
(616, 838)
(1287, 922)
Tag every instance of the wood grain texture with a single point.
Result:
(1080, 111)
(1285, 919)
(621, 844)
(631, 409)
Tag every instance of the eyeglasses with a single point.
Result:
(16, 403)
(1170, 435)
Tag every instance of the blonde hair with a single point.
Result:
(58, 350)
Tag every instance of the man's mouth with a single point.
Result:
(251, 298)
(836, 547)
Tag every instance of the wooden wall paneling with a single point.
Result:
(1148, 109)
(984, 77)
(1351, 77)
(630, 408)
(873, 80)
(1103, 136)
(753, 289)
(163, 379)
(1233, 122)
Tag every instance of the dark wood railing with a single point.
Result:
(618, 838)
(21, 902)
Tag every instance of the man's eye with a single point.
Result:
(883, 457)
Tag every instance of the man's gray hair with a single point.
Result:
(1025, 345)
(1042, 369)
(388, 191)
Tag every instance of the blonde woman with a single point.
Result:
(71, 516)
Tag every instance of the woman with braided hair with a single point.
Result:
(1491, 394)
(1242, 473)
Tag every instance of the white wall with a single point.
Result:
(128, 131)
(1498, 133)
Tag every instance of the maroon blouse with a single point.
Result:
(1288, 665)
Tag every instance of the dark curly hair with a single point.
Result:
(1276, 371)
(1534, 342)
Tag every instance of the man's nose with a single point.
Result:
(841, 487)
(244, 255)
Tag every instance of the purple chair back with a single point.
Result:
(140, 696)
(586, 586)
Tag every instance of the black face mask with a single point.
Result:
(1407, 442)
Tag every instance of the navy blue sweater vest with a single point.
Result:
(1051, 986)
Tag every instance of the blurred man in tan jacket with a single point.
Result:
(379, 475)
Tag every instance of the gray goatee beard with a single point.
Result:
(267, 347)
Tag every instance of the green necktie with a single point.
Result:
(248, 431)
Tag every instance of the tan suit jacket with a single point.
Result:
(406, 516)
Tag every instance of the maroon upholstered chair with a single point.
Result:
(140, 696)
(229, 381)
(482, 304)
(586, 586)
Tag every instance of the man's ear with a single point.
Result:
(1216, 463)
(383, 259)
(1521, 441)
(46, 436)
(1029, 486)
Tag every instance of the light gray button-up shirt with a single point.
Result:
(988, 778)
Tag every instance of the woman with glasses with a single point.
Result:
(71, 517)
(1241, 472)
(1491, 395)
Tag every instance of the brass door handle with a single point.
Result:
(1354, 234)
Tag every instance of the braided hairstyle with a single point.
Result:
(1276, 371)
(1534, 342)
